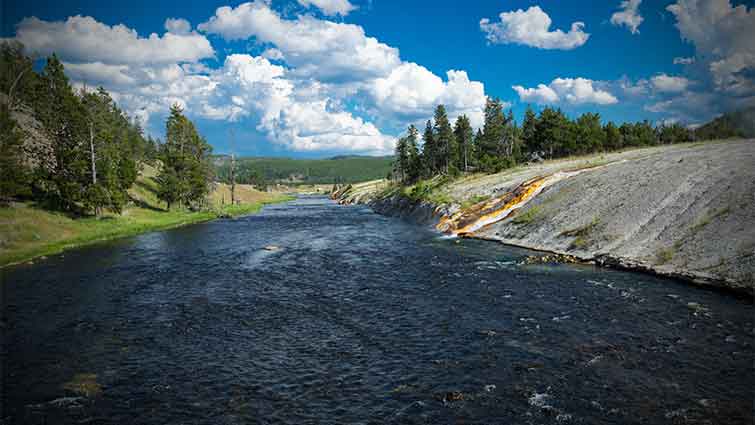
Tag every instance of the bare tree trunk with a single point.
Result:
(233, 179)
(94, 165)
(233, 171)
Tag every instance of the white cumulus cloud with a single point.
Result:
(575, 91)
(670, 84)
(83, 39)
(531, 27)
(322, 49)
(628, 16)
(330, 7)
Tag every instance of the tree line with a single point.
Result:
(78, 151)
(502, 143)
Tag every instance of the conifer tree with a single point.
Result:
(414, 171)
(444, 140)
(429, 150)
(464, 137)
(186, 172)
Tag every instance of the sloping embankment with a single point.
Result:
(686, 211)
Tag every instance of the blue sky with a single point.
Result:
(313, 78)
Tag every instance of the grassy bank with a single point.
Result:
(28, 232)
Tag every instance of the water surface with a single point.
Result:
(359, 318)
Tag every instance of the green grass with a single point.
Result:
(581, 234)
(706, 219)
(27, 231)
(664, 255)
(528, 216)
(474, 200)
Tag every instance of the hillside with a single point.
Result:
(685, 211)
(347, 169)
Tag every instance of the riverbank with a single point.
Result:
(683, 211)
(29, 232)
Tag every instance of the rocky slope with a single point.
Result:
(685, 211)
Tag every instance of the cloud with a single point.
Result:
(177, 26)
(669, 84)
(575, 91)
(411, 92)
(684, 61)
(629, 16)
(542, 95)
(316, 48)
(83, 39)
(723, 36)
(327, 88)
(273, 54)
(330, 7)
(532, 28)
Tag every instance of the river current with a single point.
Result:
(310, 312)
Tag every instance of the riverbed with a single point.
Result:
(311, 312)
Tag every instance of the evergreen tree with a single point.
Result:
(529, 126)
(491, 145)
(590, 135)
(115, 146)
(414, 171)
(445, 141)
(186, 172)
(613, 136)
(401, 160)
(63, 116)
(430, 151)
(464, 137)
(552, 131)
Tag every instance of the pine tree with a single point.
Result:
(445, 141)
(63, 116)
(613, 136)
(186, 173)
(414, 171)
(115, 145)
(529, 126)
(464, 137)
(429, 151)
(401, 160)
(493, 135)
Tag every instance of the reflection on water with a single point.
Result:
(315, 313)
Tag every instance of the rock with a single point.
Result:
(271, 248)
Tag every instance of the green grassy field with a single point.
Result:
(27, 232)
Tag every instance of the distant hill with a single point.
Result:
(732, 124)
(344, 169)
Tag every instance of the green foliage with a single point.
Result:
(528, 216)
(343, 169)
(729, 125)
(674, 133)
(464, 136)
(88, 158)
(664, 255)
(187, 172)
(14, 174)
(445, 141)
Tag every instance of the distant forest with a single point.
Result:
(342, 169)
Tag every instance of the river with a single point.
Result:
(310, 312)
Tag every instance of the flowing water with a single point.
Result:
(351, 317)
